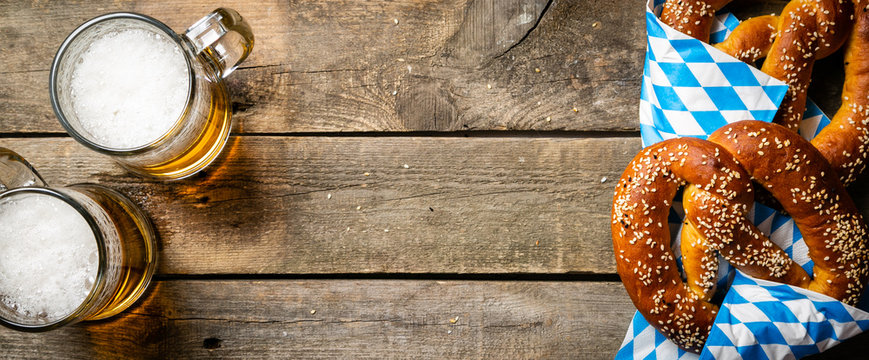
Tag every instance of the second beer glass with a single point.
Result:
(67, 254)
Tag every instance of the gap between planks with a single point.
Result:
(523, 277)
(507, 134)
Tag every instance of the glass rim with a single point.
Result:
(60, 56)
(99, 280)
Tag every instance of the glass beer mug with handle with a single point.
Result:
(127, 86)
(67, 254)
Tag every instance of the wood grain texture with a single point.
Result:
(306, 205)
(360, 319)
(127, 336)
(341, 65)
(338, 319)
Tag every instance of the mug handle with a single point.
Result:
(224, 37)
(16, 172)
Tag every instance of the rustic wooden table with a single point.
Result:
(406, 178)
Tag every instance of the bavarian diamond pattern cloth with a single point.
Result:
(766, 320)
(691, 89)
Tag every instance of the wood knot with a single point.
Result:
(424, 105)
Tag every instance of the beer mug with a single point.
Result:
(127, 86)
(67, 254)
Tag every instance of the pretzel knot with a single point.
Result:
(641, 235)
(717, 175)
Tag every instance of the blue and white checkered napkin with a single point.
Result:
(692, 89)
(766, 320)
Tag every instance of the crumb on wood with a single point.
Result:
(603, 180)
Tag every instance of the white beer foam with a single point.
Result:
(129, 87)
(48, 256)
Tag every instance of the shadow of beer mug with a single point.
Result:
(67, 254)
(127, 86)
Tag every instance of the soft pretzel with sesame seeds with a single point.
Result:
(744, 246)
(806, 30)
(845, 141)
(810, 192)
(720, 172)
(692, 17)
(752, 39)
(641, 235)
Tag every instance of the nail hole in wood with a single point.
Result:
(211, 343)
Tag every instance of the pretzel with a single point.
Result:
(752, 39)
(692, 17)
(806, 31)
(845, 141)
(641, 235)
(718, 198)
(810, 191)
(744, 247)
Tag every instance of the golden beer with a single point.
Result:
(214, 118)
(138, 248)
(127, 86)
(81, 252)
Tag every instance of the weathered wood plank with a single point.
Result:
(348, 66)
(373, 205)
(364, 319)
(328, 319)
(128, 336)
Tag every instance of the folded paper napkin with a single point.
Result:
(691, 89)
